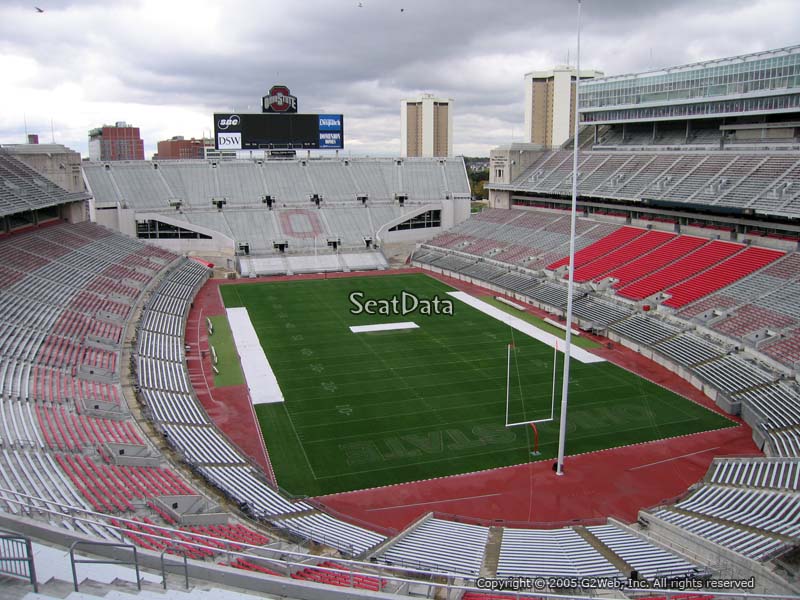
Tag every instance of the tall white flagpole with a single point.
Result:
(570, 292)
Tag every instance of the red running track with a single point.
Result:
(616, 482)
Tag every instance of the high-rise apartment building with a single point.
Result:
(550, 104)
(426, 126)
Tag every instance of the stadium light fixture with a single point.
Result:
(562, 434)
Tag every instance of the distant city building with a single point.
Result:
(179, 148)
(426, 126)
(58, 163)
(115, 142)
(550, 105)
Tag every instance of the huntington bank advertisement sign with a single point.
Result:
(278, 127)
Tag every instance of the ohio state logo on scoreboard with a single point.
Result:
(279, 100)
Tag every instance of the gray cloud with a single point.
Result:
(166, 66)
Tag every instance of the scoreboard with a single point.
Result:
(264, 131)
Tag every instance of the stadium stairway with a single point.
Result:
(118, 582)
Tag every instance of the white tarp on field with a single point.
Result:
(261, 382)
(383, 327)
(578, 354)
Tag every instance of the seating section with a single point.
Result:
(732, 179)
(649, 561)
(441, 546)
(640, 246)
(602, 247)
(164, 391)
(763, 473)
(645, 330)
(62, 411)
(751, 506)
(322, 574)
(321, 528)
(61, 408)
(196, 542)
(25, 189)
(655, 260)
(516, 237)
(551, 553)
(784, 348)
(721, 275)
(688, 349)
(292, 216)
(680, 270)
(778, 404)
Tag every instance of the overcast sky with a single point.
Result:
(167, 65)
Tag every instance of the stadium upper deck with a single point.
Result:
(272, 207)
(24, 191)
(766, 183)
(750, 84)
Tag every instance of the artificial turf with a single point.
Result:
(371, 409)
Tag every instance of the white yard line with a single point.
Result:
(578, 354)
(261, 381)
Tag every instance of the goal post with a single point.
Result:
(530, 422)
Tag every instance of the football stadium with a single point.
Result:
(281, 375)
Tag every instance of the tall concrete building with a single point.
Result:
(550, 104)
(426, 126)
(116, 142)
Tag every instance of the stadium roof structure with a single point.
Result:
(23, 189)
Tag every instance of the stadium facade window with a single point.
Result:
(431, 218)
(743, 75)
(704, 109)
(155, 230)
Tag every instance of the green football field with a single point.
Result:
(370, 409)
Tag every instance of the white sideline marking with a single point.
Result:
(578, 354)
(261, 381)
(433, 502)
(383, 327)
(666, 460)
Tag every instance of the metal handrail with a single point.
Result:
(73, 561)
(178, 550)
(28, 558)
(451, 584)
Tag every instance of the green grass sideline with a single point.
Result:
(229, 366)
(578, 340)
